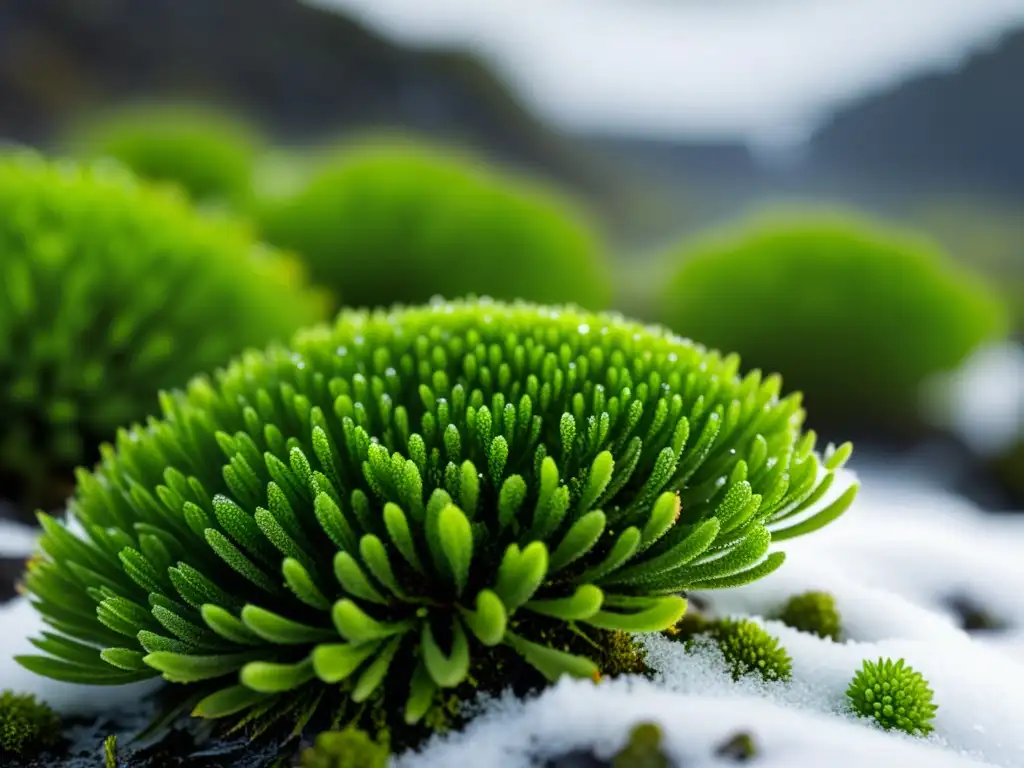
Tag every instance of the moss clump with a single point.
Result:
(738, 748)
(855, 314)
(27, 726)
(411, 502)
(642, 750)
(813, 612)
(208, 153)
(748, 648)
(112, 291)
(893, 695)
(401, 222)
(350, 748)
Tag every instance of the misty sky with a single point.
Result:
(762, 70)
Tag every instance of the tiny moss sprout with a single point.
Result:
(893, 695)
(110, 291)
(350, 748)
(748, 648)
(813, 612)
(26, 725)
(414, 503)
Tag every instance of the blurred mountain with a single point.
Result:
(959, 129)
(301, 72)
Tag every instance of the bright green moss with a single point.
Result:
(386, 223)
(856, 315)
(26, 725)
(748, 648)
(408, 504)
(350, 748)
(208, 153)
(111, 291)
(893, 695)
(813, 612)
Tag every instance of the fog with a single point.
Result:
(764, 72)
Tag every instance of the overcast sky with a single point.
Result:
(761, 70)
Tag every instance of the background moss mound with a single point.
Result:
(110, 291)
(400, 222)
(856, 315)
(417, 503)
(208, 153)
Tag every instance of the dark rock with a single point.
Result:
(973, 617)
(301, 72)
(11, 569)
(959, 128)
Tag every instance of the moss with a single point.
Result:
(209, 153)
(894, 695)
(739, 748)
(350, 748)
(387, 222)
(642, 750)
(27, 726)
(855, 313)
(748, 649)
(813, 612)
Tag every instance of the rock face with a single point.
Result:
(960, 128)
(302, 72)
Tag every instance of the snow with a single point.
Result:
(983, 400)
(893, 563)
(16, 540)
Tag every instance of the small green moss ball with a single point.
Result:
(894, 695)
(748, 648)
(209, 153)
(813, 612)
(643, 749)
(350, 748)
(857, 315)
(402, 222)
(26, 725)
(109, 291)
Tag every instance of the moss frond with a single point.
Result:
(396, 504)
(26, 725)
(893, 695)
(110, 291)
(402, 221)
(813, 612)
(855, 313)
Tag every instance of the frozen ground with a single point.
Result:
(895, 562)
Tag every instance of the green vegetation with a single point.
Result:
(813, 612)
(398, 222)
(26, 725)
(208, 153)
(110, 291)
(350, 748)
(854, 314)
(401, 507)
(642, 750)
(748, 649)
(894, 695)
